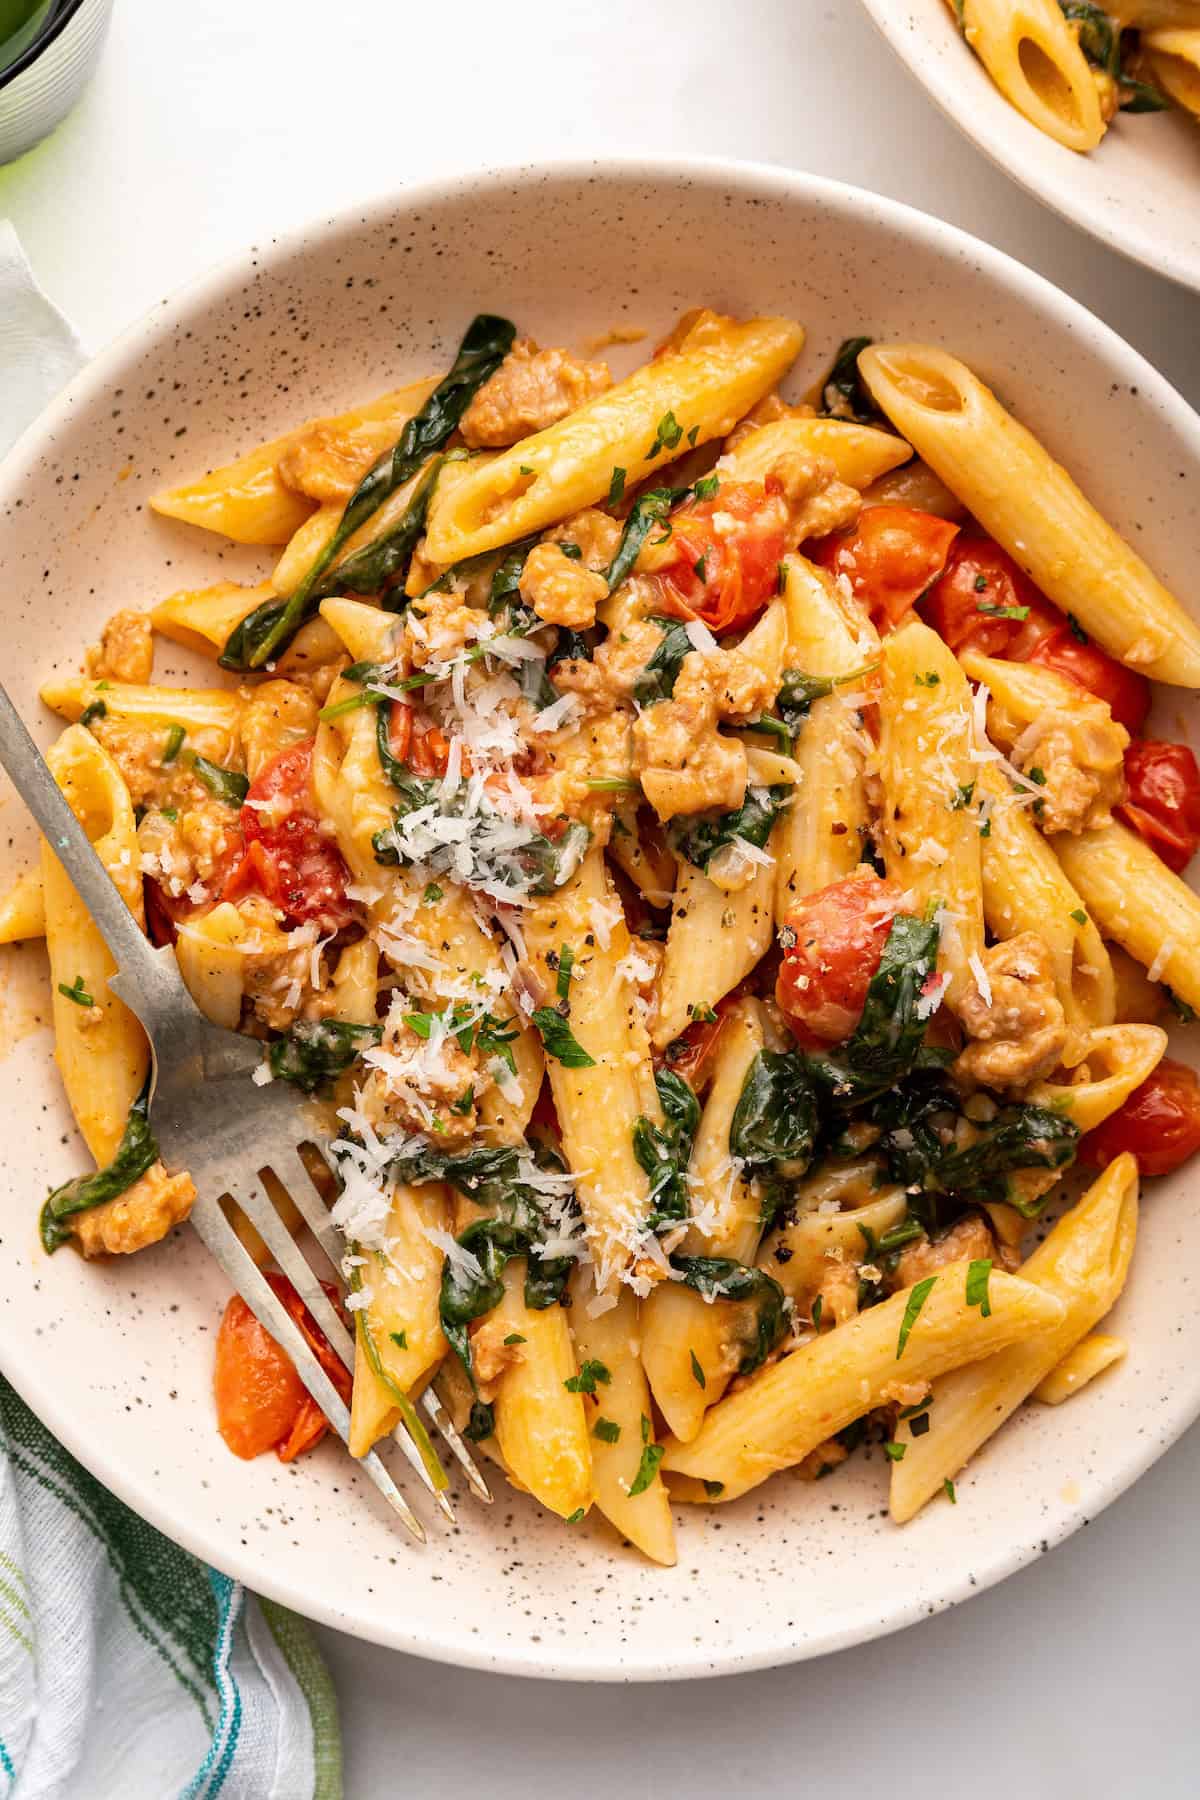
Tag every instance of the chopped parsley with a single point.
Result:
(981, 582)
(895, 1451)
(713, 1488)
(1077, 631)
(697, 1371)
(590, 1373)
(666, 437)
(963, 796)
(572, 552)
(1079, 916)
(576, 1516)
(173, 745)
(706, 487)
(76, 992)
(652, 1455)
(432, 894)
(400, 1339)
(1001, 612)
(700, 568)
(692, 435)
(559, 1041)
(616, 487)
(948, 1490)
(607, 1430)
(912, 1311)
(566, 962)
(929, 679)
(515, 1337)
(977, 1286)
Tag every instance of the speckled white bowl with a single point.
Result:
(1137, 192)
(117, 1358)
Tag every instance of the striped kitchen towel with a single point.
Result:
(127, 1668)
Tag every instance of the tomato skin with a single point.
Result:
(739, 564)
(1159, 1123)
(262, 1404)
(952, 604)
(1127, 693)
(290, 859)
(837, 937)
(890, 558)
(1163, 803)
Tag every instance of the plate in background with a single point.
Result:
(1138, 192)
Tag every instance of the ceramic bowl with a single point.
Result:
(117, 1357)
(1136, 192)
(41, 85)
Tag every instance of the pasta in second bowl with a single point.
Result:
(823, 1565)
(1044, 112)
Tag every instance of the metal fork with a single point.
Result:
(210, 1118)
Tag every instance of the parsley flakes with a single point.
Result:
(912, 1311)
(697, 1371)
(607, 1430)
(559, 1041)
(666, 437)
(76, 992)
(647, 1469)
(590, 1373)
(977, 1286)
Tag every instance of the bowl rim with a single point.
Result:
(901, 32)
(721, 175)
(56, 23)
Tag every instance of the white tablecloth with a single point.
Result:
(210, 128)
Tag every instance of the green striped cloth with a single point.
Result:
(127, 1668)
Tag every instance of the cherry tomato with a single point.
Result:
(980, 584)
(1159, 1123)
(1127, 693)
(728, 550)
(833, 942)
(1164, 799)
(288, 857)
(400, 722)
(890, 557)
(262, 1404)
(687, 1054)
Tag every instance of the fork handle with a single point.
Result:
(148, 979)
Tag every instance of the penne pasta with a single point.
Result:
(398, 1334)
(1082, 1265)
(1090, 1357)
(785, 1412)
(714, 940)
(1031, 54)
(1136, 900)
(541, 1428)
(23, 908)
(204, 618)
(861, 454)
(1174, 58)
(1032, 507)
(705, 389)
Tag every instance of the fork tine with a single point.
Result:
(295, 1265)
(222, 1242)
(288, 1165)
(431, 1403)
(257, 1206)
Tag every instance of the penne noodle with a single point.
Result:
(706, 388)
(714, 940)
(541, 1428)
(398, 1334)
(1035, 60)
(204, 618)
(861, 454)
(930, 831)
(784, 1412)
(1082, 1265)
(1031, 506)
(1136, 900)
(1090, 1357)
(23, 908)
(1174, 58)
(216, 708)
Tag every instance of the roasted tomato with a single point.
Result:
(983, 601)
(262, 1404)
(727, 555)
(687, 1054)
(1159, 1123)
(1163, 801)
(1127, 693)
(832, 945)
(890, 558)
(288, 857)
(974, 603)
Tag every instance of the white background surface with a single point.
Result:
(213, 126)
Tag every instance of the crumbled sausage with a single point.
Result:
(817, 502)
(531, 390)
(1019, 1034)
(142, 1215)
(326, 464)
(125, 651)
(970, 1238)
(560, 590)
(276, 715)
(685, 764)
(1080, 759)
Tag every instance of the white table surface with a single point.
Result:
(210, 126)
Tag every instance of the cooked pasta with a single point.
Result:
(694, 875)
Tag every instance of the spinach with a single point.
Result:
(649, 510)
(574, 646)
(379, 565)
(1101, 42)
(96, 710)
(506, 579)
(774, 1123)
(720, 1278)
(663, 1150)
(647, 1469)
(269, 628)
(700, 836)
(222, 784)
(844, 394)
(1019, 1137)
(136, 1153)
(313, 1052)
(559, 1041)
(912, 1311)
(798, 691)
(657, 680)
(173, 745)
(887, 1043)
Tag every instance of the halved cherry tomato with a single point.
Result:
(687, 1054)
(262, 1404)
(288, 857)
(832, 945)
(890, 558)
(979, 575)
(980, 585)
(728, 552)
(1159, 1123)
(1127, 693)
(400, 722)
(1163, 802)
